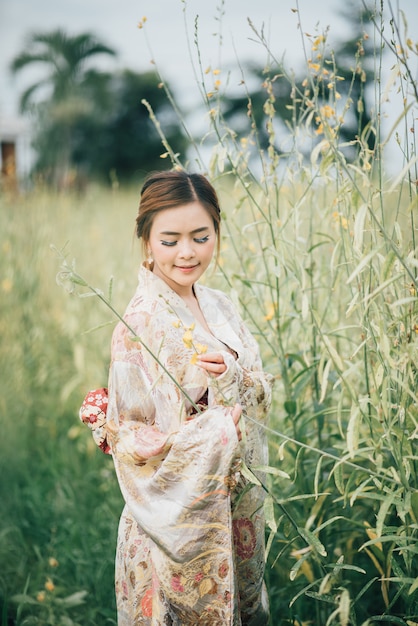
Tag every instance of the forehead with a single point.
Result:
(184, 218)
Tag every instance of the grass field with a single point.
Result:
(337, 528)
(320, 254)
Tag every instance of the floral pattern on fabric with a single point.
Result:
(93, 414)
(191, 541)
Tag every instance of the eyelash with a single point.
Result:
(173, 243)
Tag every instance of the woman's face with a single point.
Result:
(182, 241)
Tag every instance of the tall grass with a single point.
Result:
(320, 255)
(60, 502)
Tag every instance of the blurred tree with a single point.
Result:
(119, 140)
(59, 99)
(91, 123)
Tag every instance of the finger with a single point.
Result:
(211, 357)
(236, 413)
(213, 368)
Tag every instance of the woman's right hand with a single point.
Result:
(236, 415)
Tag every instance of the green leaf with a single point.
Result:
(268, 469)
(268, 507)
(313, 541)
(76, 599)
(23, 598)
(290, 407)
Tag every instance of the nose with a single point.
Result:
(187, 250)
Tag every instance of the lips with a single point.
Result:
(186, 268)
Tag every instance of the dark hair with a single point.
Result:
(170, 189)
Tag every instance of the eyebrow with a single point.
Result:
(193, 232)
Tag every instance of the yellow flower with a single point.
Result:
(49, 585)
(217, 84)
(270, 313)
(314, 66)
(327, 111)
(53, 562)
(188, 338)
(216, 72)
(193, 360)
(41, 596)
(200, 347)
(177, 324)
(6, 285)
(317, 42)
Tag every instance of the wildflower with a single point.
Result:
(142, 22)
(217, 84)
(317, 42)
(6, 285)
(216, 72)
(327, 111)
(53, 562)
(343, 221)
(314, 66)
(177, 324)
(41, 596)
(270, 313)
(188, 337)
(49, 585)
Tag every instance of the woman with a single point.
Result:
(183, 368)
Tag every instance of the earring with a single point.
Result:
(149, 259)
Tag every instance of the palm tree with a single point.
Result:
(63, 96)
(64, 56)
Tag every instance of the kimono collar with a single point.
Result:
(210, 302)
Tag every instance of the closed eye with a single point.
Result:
(196, 239)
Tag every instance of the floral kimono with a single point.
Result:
(191, 536)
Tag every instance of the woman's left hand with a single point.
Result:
(212, 362)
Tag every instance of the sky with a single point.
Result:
(170, 29)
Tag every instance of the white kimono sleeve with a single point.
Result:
(175, 484)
